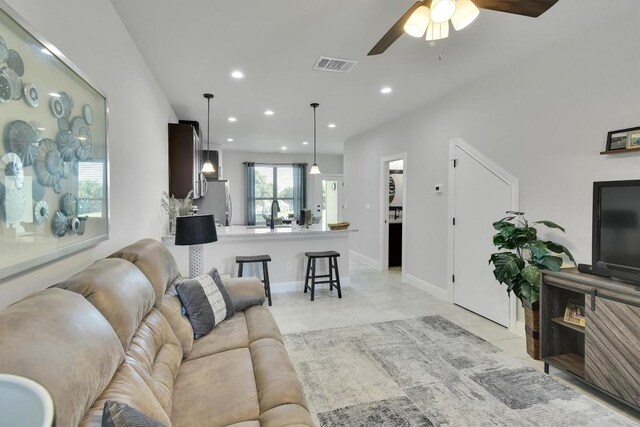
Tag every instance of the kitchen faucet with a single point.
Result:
(273, 214)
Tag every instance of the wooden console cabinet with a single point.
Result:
(605, 353)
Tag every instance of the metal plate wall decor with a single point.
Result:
(20, 138)
(11, 164)
(67, 144)
(59, 224)
(53, 152)
(32, 94)
(82, 133)
(57, 107)
(41, 212)
(48, 164)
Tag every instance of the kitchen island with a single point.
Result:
(285, 244)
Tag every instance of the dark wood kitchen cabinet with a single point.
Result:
(184, 160)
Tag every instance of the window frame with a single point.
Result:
(274, 170)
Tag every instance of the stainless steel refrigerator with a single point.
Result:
(216, 200)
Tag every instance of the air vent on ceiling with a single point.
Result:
(324, 63)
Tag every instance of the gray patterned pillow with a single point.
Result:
(206, 301)
(116, 414)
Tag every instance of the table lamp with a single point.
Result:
(193, 231)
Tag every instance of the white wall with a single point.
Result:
(234, 172)
(544, 120)
(92, 36)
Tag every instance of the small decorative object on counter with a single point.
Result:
(176, 207)
(339, 225)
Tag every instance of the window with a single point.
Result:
(266, 183)
(273, 182)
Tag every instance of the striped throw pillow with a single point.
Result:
(206, 301)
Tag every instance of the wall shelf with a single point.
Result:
(621, 151)
(561, 321)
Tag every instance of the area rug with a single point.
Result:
(430, 372)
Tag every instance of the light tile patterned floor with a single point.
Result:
(378, 296)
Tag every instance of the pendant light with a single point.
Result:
(207, 167)
(315, 170)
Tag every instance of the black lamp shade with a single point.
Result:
(195, 230)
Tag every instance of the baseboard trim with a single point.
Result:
(423, 285)
(357, 256)
(298, 286)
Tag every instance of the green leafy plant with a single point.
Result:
(519, 266)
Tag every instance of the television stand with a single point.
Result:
(605, 353)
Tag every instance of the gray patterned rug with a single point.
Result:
(430, 372)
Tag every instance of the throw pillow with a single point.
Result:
(206, 302)
(116, 414)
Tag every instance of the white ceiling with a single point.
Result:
(193, 45)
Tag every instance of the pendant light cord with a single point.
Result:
(314, 135)
(208, 127)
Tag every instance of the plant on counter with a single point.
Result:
(519, 267)
(176, 207)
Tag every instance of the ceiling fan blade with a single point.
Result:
(532, 8)
(394, 33)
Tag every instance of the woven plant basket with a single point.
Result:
(532, 329)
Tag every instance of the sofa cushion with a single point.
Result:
(155, 261)
(286, 415)
(244, 291)
(126, 387)
(60, 340)
(171, 309)
(230, 334)
(118, 290)
(261, 324)
(216, 390)
(276, 379)
(118, 414)
(155, 353)
(206, 302)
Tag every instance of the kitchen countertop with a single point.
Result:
(244, 232)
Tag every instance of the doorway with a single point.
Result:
(329, 206)
(393, 198)
(481, 193)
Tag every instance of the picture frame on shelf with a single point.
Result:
(574, 313)
(622, 139)
(54, 167)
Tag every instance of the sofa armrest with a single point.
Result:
(244, 291)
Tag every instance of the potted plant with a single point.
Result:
(518, 264)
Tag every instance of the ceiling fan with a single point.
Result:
(431, 17)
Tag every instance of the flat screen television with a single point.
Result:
(616, 229)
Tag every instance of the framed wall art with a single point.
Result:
(623, 139)
(54, 168)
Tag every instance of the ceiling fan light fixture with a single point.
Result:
(466, 13)
(442, 10)
(437, 31)
(417, 23)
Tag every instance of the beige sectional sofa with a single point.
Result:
(115, 331)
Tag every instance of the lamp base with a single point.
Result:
(196, 261)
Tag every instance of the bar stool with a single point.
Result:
(311, 272)
(242, 260)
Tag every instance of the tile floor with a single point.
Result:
(377, 296)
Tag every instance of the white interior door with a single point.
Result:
(480, 197)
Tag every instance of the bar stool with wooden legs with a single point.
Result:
(242, 260)
(311, 272)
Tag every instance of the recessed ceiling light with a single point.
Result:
(305, 142)
(229, 139)
(332, 125)
(46, 51)
(269, 113)
(386, 90)
(283, 148)
(237, 74)
(232, 119)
